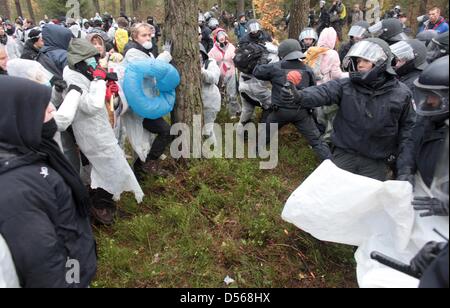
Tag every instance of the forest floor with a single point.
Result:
(215, 218)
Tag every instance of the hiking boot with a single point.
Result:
(154, 167)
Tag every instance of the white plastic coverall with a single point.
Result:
(97, 141)
(210, 96)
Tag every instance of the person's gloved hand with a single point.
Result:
(430, 206)
(59, 84)
(411, 178)
(290, 94)
(112, 89)
(99, 73)
(427, 256)
(168, 46)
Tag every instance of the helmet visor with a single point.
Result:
(309, 34)
(403, 51)
(357, 31)
(399, 37)
(366, 50)
(254, 27)
(430, 102)
(377, 29)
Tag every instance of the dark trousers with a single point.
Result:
(305, 125)
(160, 128)
(360, 165)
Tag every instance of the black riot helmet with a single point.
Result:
(409, 55)
(427, 36)
(431, 89)
(438, 47)
(389, 30)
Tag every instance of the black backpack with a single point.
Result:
(247, 57)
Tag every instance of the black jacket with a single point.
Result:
(207, 40)
(425, 147)
(40, 224)
(32, 53)
(409, 78)
(277, 74)
(372, 123)
(263, 38)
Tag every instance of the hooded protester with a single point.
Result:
(324, 59)
(56, 43)
(43, 216)
(10, 43)
(140, 48)
(121, 36)
(210, 92)
(32, 51)
(357, 33)
(224, 52)
(111, 174)
(326, 65)
(282, 113)
(375, 117)
(410, 59)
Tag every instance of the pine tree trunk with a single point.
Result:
(123, 6)
(30, 9)
(299, 18)
(4, 9)
(96, 6)
(240, 7)
(18, 8)
(182, 28)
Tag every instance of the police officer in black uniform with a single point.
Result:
(290, 53)
(375, 117)
(410, 59)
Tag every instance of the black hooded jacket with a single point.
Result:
(32, 53)
(38, 216)
(56, 40)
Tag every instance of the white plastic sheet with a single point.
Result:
(8, 275)
(337, 206)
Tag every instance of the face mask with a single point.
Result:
(91, 62)
(49, 129)
(10, 31)
(148, 45)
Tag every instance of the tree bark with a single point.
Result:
(18, 8)
(182, 28)
(123, 6)
(30, 10)
(96, 5)
(4, 9)
(240, 7)
(299, 18)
